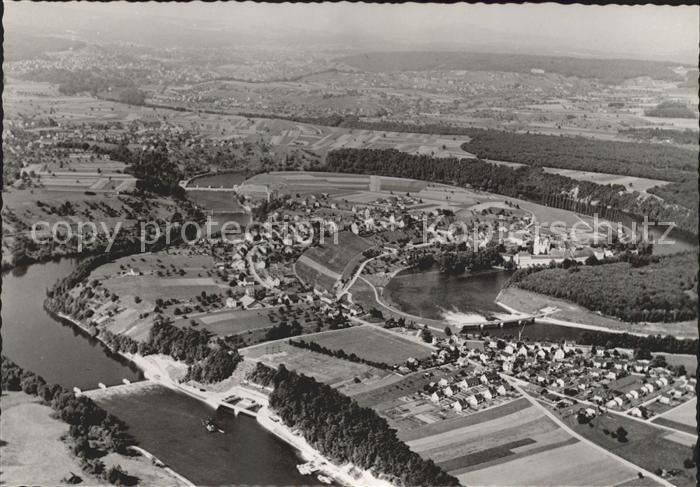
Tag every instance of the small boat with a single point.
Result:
(209, 424)
(306, 468)
(325, 480)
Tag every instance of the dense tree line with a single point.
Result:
(663, 290)
(153, 168)
(71, 82)
(343, 431)
(217, 366)
(684, 194)
(652, 343)
(628, 158)
(610, 71)
(608, 201)
(132, 96)
(284, 330)
(671, 109)
(93, 431)
(339, 353)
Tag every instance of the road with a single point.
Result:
(566, 428)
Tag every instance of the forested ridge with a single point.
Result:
(610, 71)
(343, 431)
(639, 159)
(665, 289)
(525, 182)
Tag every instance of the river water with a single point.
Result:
(435, 295)
(164, 422)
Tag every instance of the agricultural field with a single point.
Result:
(631, 183)
(512, 443)
(324, 265)
(372, 343)
(173, 280)
(649, 447)
(681, 417)
(324, 368)
(338, 256)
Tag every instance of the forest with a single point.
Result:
(671, 109)
(93, 431)
(609, 71)
(639, 159)
(609, 201)
(655, 290)
(343, 431)
(651, 343)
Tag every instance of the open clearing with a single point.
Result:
(572, 464)
(631, 183)
(681, 418)
(513, 444)
(372, 343)
(32, 452)
(647, 446)
(324, 368)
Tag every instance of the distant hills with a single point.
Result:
(606, 70)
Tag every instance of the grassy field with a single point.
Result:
(646, 446)
(323, 368)
(336, 257)
(681, 418)
(567, 464)
(32, 452)
(632, 183)
(513, 444)
(231, 322)
(372, 343)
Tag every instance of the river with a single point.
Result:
(164, 422)
(436, 295)
(461, 299)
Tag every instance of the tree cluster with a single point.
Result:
(644, 345)
(345, 432)
(665, 290)
(340, 353)
(93, 431)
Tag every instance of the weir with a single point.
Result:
(127, 387)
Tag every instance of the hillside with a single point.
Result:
(606, 70)
(663, 290)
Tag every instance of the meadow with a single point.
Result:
(681, 418)
(647, 446)
(372, 343)
(322, 367)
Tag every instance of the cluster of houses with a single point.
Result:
(472, 392)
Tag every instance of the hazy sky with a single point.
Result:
(614, 30)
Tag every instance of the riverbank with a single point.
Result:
(519, 301)
(34, 454)
(167, 372)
